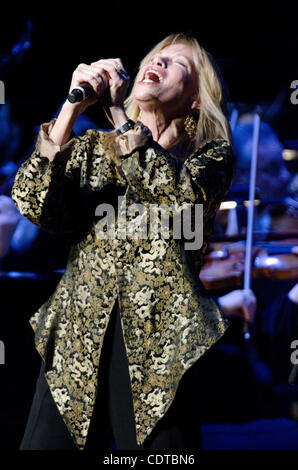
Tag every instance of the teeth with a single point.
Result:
(147, 79)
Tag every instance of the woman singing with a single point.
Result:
(129, 317)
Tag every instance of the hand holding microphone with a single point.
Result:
(90, 82)
(87, 85)
(104, 80)
(80, 92)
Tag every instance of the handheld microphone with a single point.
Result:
(80, 92)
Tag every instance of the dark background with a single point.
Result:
(256, 49)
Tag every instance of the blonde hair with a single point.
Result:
(212, 122)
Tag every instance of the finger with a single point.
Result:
(96, 81)
(113, 62)
(95, 73)
(114, 67)
(81, 65)
(123, 73)
(108, 70)
(250, 306)
(92, 71)
(121, 69)
(101, 73)
(249, 292)
(247, 314)
(112, 72)
(249, 296)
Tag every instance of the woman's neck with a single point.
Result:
(169, 133)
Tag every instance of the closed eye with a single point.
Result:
(181, 64)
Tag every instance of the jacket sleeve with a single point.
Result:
(48, 192)
(158, 178)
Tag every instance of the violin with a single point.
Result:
(225, 263)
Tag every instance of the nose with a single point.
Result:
(159, 60)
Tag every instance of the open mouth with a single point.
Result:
(152, 76)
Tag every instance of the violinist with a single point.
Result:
(272, 177)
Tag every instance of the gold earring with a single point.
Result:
(190, 126)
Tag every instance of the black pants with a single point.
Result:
(112, 424)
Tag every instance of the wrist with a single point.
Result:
(118, 116)
(62, 128)
(72, 110)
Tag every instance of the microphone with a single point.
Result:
(80, 92)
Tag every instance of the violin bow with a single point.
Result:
(250, 209)
(232, 224)
(234, 118)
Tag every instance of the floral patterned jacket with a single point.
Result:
(168, 320)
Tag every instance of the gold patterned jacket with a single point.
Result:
(168, 319)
